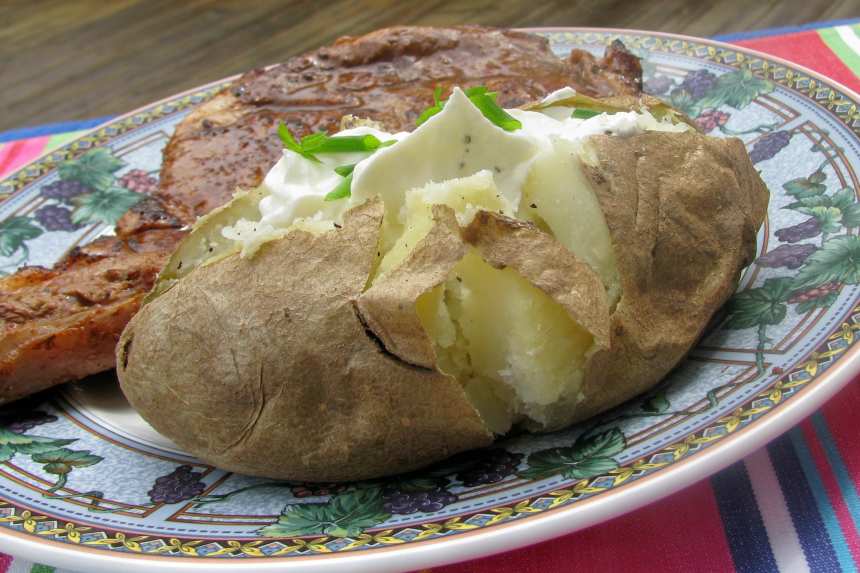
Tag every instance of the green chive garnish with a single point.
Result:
(321, 142)
(290, 142)
(344, 170)
(483, 99)
(491, 110)
(342, 190)
(580, 113)
(311, 141)
(345, 144)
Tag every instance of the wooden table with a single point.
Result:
(76, 59)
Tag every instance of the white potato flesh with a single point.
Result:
(557, 196)
(465, 196)
(523, 352)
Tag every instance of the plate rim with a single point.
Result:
(518, 533)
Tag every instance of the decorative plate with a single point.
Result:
(86, 484)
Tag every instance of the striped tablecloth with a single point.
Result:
(792, 506)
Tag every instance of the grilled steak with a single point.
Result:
(61, 324)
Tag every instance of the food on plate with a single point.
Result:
(60, 324)
(386, 299)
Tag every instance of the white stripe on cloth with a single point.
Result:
(20, 566)
(774, 513)
(846, 33)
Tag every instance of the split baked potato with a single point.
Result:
(437, 312)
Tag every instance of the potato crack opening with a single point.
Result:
(380, 345)
(126, 349)
(517, 353)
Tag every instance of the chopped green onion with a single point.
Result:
(478, 90)
(581, 113)
(342, 190)
(491, 110)
(290, 142)
(308, 142)
(344, 144)
(483, 99)
(427, 114)
(344, 170)
(321, 142)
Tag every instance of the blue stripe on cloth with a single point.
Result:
(798, 496)
(742, 521)
(843, 476)
(752, 34)
(825, 508)
(51, 128)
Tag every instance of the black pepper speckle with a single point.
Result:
(498, 169)
(533, 206)
(467, 139)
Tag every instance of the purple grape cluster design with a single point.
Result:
(820, 250)
(181, 484)
(87, 192)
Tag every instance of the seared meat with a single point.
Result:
(61, 324)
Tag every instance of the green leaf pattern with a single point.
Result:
(14, 231)
(105, 204)
(591, 455)
(833, 263)
(345, 515)
(51, 453)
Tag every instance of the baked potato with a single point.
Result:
(478, 275)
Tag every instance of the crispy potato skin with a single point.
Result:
(683, 211)
(262, 366)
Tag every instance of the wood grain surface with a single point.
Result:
(75, 59)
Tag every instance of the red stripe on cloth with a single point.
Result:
(5, 562)
(831, 487)
(807, 49)
(841, 416)
(15, 154)
(681, 533)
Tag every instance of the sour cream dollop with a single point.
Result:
(455, 143)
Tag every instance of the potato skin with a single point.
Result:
(683, 211)
(262, 366)
(286, 365)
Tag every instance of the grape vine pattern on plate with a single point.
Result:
(87, 192)
(181, 484)
(56, 218)
(808, 265)
(57, 461)
(820, 249)
(139, 181)
(494, 466)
